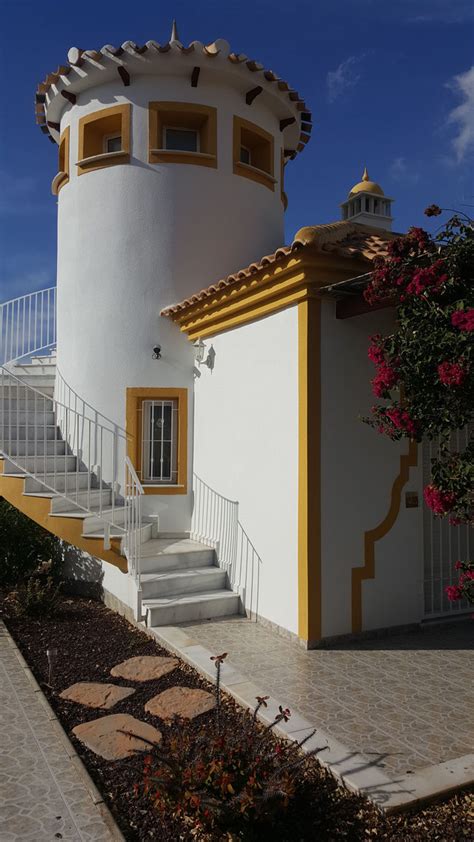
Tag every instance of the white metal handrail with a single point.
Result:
(133, 526)
(25, 442)
(215, 521)
(43, 436)
(27, 325)
(66, 395)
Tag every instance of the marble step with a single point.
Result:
(77, 481)
(32, 448)
(164, 554)
(11, 416)
(13, 432)
(31, 401)
(181, 582)
(198, 606)
(40, 464)
(86, 499)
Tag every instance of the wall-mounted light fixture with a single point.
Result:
(199, 354)
(157, 352)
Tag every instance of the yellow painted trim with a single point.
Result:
(284, 283)
(367, 571)
(69, 529)
(309, 471)
(62, 176)
(135, 396)
(258, 308)
(124, 112)
(201, 117)
(260, 176)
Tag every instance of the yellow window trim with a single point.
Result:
(134, 398)
(62, 176)
(100, 160)
(190, 115)
(246, 170)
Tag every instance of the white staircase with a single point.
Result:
(51, 444)
(181, 581)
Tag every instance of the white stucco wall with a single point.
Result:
(359, 467)
(134, 238)
(246, 448)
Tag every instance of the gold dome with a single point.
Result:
(366, 186)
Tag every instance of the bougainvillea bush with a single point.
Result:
(425, 369)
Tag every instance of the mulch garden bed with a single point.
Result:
(91, 639)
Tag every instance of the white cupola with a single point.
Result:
(367, 204)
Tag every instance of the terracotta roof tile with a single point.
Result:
(345, 238)
(90, 59)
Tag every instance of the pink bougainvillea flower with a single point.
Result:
(375, 351)
(451, 374)
(439, 501)
(463, 319)
(453, 593)
(385, 379)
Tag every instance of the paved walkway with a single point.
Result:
(404, 702)
(43, 793)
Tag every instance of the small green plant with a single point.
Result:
(39, 595)
(24, 545)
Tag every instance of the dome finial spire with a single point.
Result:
(174, 32)
(365, 175)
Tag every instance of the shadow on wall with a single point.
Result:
(83, 574)
(216, 522)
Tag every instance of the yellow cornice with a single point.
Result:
(270, 289)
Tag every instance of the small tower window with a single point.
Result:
(245, 155)
(62, 176)
(366, 203)
(104, 138)
(180, 139)
(113, 143)
(376, 205)
(182, 133)
(253, 153)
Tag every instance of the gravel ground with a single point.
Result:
(91, 639)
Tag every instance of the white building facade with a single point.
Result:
(201, 435)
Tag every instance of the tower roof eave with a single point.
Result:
(89, 68)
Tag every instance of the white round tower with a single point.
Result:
(171, 163)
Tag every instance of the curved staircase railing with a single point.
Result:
(215, 521)
(64, 447)
(27, 325)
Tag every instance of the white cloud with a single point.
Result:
(463, 115)
(402, 172)
(344, 77)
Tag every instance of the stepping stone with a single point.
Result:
(180, 701)
(105, 736)
(144, 668)
(93, 694)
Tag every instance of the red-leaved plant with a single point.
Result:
(223, 776)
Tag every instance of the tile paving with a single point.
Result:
(404, 701)
(43, 797)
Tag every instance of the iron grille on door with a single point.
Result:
(160, 442)
(443, 544)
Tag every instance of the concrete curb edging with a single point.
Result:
(392, 795)
(73, 756)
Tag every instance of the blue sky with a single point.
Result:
(390, 84)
